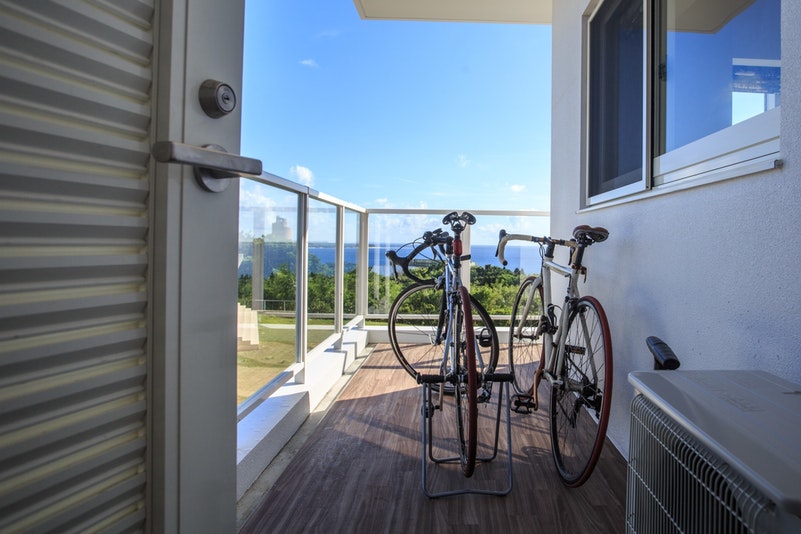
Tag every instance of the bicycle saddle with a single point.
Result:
(590, 234)
(454, 217)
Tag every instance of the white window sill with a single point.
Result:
(757, 165)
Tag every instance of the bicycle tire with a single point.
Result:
(466, 388)
(525, 336)
(579, 413)
(412, 333)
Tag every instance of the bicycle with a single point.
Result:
(570, 347)
(432, 330)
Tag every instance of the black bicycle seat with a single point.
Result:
(454, 217)
(590, 234)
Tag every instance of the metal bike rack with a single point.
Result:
(426, 414)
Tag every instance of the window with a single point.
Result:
(616, 97)
(711, 88)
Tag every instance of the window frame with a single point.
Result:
(740, 149)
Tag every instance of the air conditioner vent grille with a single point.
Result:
(675, 484)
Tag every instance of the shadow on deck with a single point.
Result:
(359, 470)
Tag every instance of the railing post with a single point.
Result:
(339, 274)
(302, 277)
(363, 271)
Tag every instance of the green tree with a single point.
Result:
(492, 275)
(316, 266)
(493, 286)
(280, 285)
(245, 284)
(321, 293)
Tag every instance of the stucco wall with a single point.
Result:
(712, 270)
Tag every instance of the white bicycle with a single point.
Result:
(568, 345)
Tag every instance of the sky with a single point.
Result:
(398, 114)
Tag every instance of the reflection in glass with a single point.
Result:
(266, 329)
(322, 262)
(352, 243)
(493, 284)
(716, 67)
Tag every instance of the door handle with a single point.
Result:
(214, 167)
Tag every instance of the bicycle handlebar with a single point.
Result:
(504, 238)
(431, 239)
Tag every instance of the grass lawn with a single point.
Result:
(276, 352)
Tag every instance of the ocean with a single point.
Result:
(526, 257)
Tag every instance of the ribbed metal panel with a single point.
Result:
(676, 485)
(75, 105)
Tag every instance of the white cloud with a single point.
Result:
(252, 195)
(302, 174)
(462, 161)
(309, 63)
(517, 188)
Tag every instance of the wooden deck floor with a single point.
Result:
(360, 471)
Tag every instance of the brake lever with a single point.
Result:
(501, 235)
(389, 255)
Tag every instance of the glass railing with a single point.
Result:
(267, 333)
(310, 265)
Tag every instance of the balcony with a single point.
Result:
(317, 319)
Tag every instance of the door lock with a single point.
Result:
(216, 98)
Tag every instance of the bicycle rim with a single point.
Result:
(487, 344)
(580, 406)
(412, 324)
(525, 339)
(467, 386)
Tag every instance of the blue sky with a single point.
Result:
(398, 114)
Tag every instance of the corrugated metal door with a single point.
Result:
(75, 105)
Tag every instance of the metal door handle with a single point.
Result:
(214, 167)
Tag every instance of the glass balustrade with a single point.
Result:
(311, 266)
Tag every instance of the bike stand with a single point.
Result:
(426, 413)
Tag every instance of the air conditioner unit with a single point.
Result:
(714, 452)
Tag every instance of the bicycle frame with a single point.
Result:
(554, 340)
(447, 322)
(451, 280)
(554, 331)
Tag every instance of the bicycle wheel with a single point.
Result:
(466, 390)
(487, 344)
(580, 404)
(525, 335)
(414, 318)
(413, 323)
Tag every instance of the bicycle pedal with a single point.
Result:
(485, 337)
(524, 404)
(429, 409)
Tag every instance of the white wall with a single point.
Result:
(711, 270)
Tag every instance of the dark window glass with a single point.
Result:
(616, 96)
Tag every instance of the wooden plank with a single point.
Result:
(360, 471)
